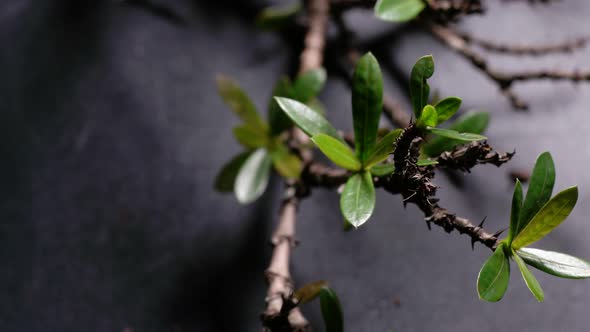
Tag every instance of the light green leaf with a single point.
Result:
(429, 118)
(529, 279)
(471, 122)
(309, 84)
(309, 291)
(310, 121)
(494, 276)
(358, 199)
(398, 10)
(539, 190)
(549, 216)
(426, 162)
(419, 88)
(449, 133)
(239, 102)
(380, 170)
(278, 120)
(253, 177)
(383, 149)
(331, 310)
(225, 179)
(515, 211)
(367, 104)
(286, 164)
(337, 152)
(274, 17)
(447, 107)
(555, 263)
(316, 105)
(250, 137)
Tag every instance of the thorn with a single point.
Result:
(499, 232)
(473, 240)
(428, 224)
(483, 221)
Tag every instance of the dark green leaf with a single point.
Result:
(429, 118)
(449, 133)
(274, 17)
(472, 122)
(447, 107)
(529, 279)
(426, 162)
(358, 198)
(555, 263)
(539, 190)
(367, 104)
(383, 149)
(398, 10)
(337, 152)
(286, 164)
(419, 89)
(380, 170)
(550, 216)
(309, 84)
(309, 292)
(239, 102)
(311, 122)
(278, 120)
(250, 137)
(224, 181)
(331, 310)
(253, 177)
(494, 276)
(515, 211)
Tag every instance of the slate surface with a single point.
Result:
(112, 133)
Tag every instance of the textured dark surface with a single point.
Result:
(112, 133)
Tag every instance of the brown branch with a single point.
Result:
(565, 47)
(465, 157)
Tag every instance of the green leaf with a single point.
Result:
(239, 102)
(309, 292)
(555, 263)
(539, 190)
(426, 162)
(494, 276)
(472, 122)
(419, 89)
(358, 199)
(310, 121)
(274, 17)
(515, 211)
(383, 149)
(550, 216)
(429, 118)
(253, 177)
(529, 279)
(380, 170)
(447, 107)
(224, 181)
(286, 164)
(449, 133)
(250, 137)
(278, 120)
(367, 104)
(309, 84)
(337, 152)
(331, 310)
(316, 105)
(398, 10)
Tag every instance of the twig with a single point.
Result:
(465, 157)
(565, 47)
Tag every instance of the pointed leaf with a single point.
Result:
(383, 149)
(239, 102)
(419, 89)
(274, 17)
(286, 164)
(277, 119)
(337, 152)
(398, 10)
(225, 179)
(309, 292)
(358, 198)
(253, 177)
(494, 276)
(367, 104)
(449, 133)
(307, 119)
(429, 118)
(426, 162)
(309, 84)
(447, 107)
(472, 122)
(515, 211)
(331, 310)
(380, 170)
(539, 190)
(529, 279)
(555, 263)
(551, 215)
(250, 137)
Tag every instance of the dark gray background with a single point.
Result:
(112, 133)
